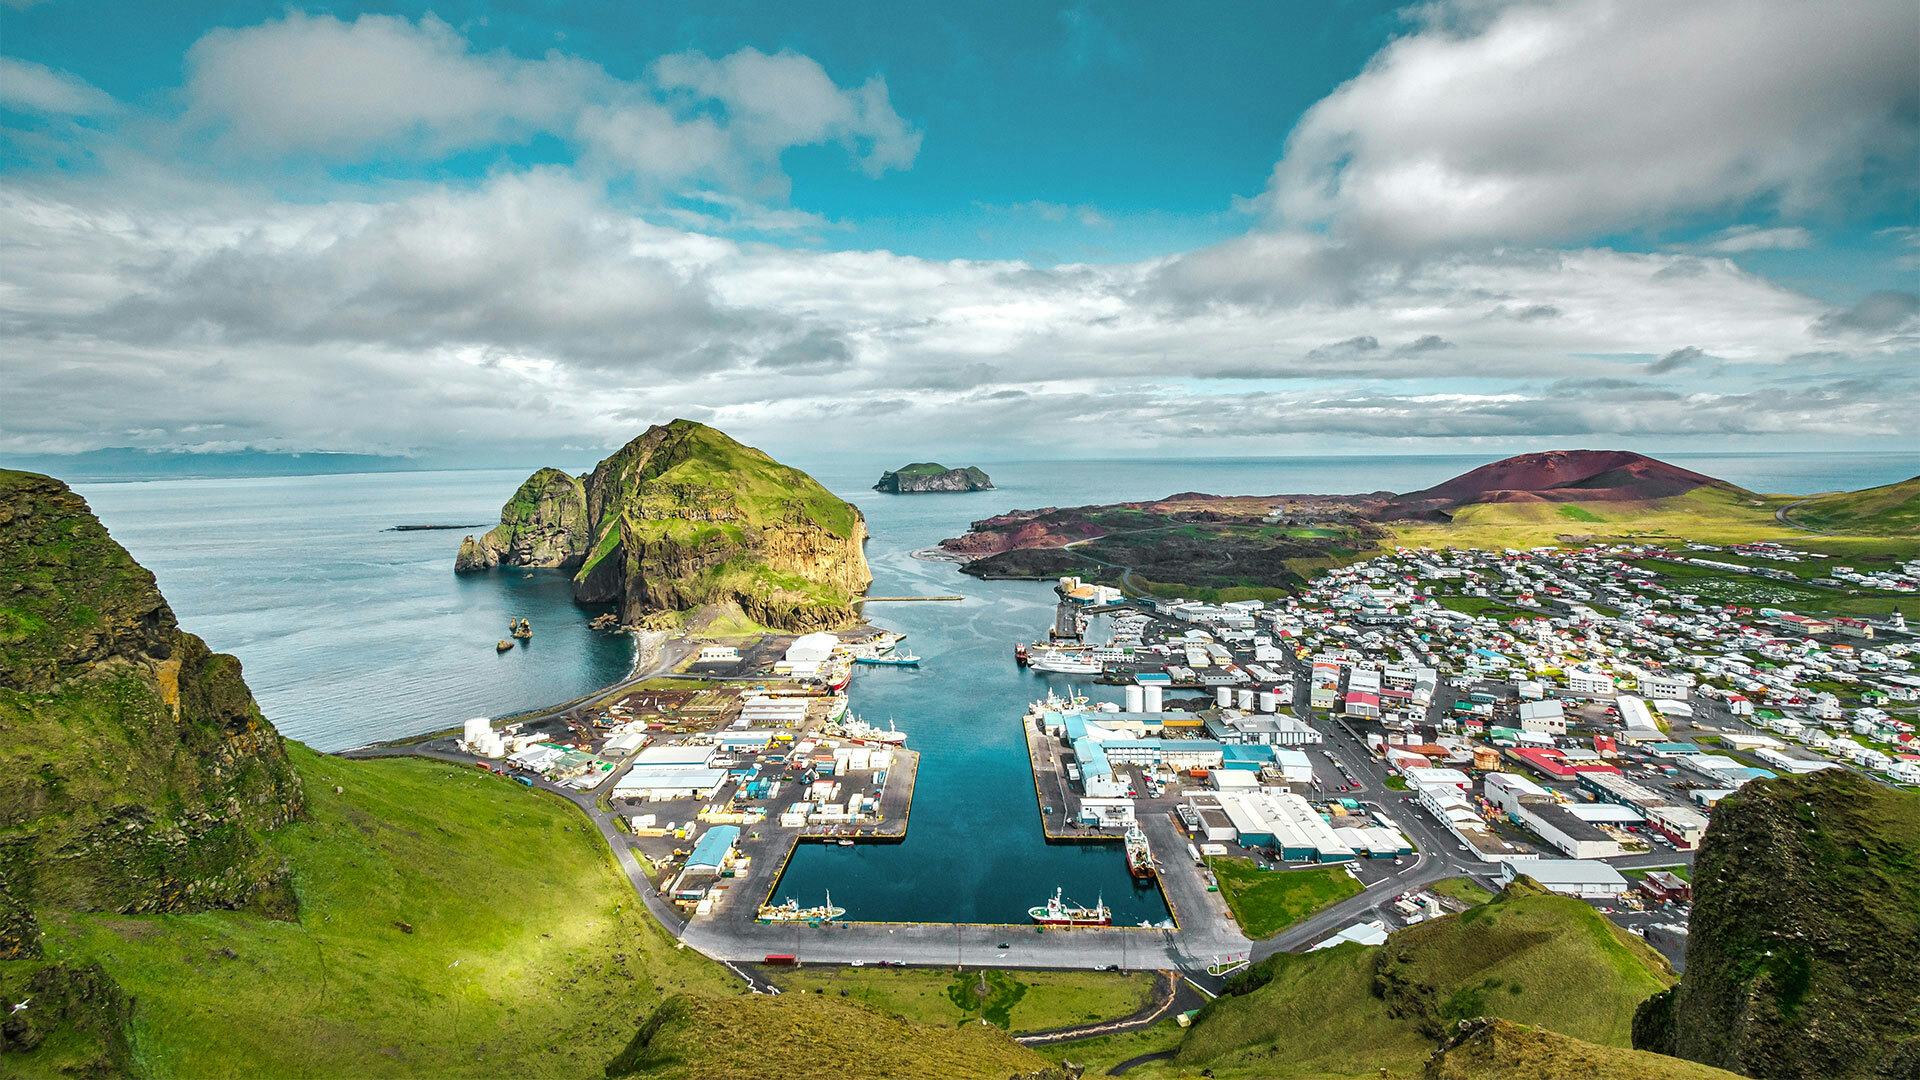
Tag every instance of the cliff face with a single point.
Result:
(544, 524)
(1805, 929)
(140, 775)
(682, 517)
(928, 477)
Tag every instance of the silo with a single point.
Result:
(1153, 698)
(1246, 701)
(1268, 701)
(1224, 697)
(1136, 699)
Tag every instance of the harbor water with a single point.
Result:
(350, 633)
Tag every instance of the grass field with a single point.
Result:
(1016, 1000)
(1101, 1053)
(1465, 890)
(1732, 587)
(1490, 607)
(1265, 902)
(453, 924)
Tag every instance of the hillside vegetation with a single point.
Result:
(1888, 510)
(1528, 956)
(1805, 929)
(1502, 1050)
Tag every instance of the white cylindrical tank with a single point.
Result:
(1268, 702)
(1153, 703)
(1136, 698)
(1224, 696)
(1246, 701)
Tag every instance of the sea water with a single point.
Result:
(350, 633)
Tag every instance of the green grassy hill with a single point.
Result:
(1502, 1050)
(1528, 956)
(1888, 510)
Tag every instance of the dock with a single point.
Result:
(946, 599)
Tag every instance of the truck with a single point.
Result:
(781, 959)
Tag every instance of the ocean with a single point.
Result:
(350, 633)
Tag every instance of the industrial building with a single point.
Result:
(1583, 878)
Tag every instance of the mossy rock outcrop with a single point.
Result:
(684, 517)
(1804, 933)
(141, 776)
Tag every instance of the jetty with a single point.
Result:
(909, 599)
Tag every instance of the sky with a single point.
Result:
(477, 232)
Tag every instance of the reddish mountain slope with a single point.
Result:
(1556, 476)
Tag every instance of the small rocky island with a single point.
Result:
(684, 517)
(930, 477)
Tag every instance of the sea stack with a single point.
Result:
(927, 477)
(683, 517)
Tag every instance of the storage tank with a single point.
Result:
(1153, 698)
(1224, 697)
(1246, 701)
(1136, 699)
(1268, 701)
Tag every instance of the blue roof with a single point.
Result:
(712, 847)
(1254, 752)
(1147, 678)
(1673, 748)
(1093, 759)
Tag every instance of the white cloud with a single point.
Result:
(36, 88)
(1531, 122)
(1739, 239)
(318, 85)
(442, 317)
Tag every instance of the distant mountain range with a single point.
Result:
(133, 463)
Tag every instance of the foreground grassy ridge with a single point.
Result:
(1527, 956)
(808, 1037)
(1265, 902)
(1316, 1015)
(452, 924)
(1501, 1050)
(1017, 1000)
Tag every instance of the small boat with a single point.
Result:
(1139, 855)
(791, 911)
(889, 660)
(844, 842)
(1058, 912)
(502, 645)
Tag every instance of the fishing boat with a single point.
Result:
(1058, 912)
(889, 660)
(791, 911)
(1139, 855)
(859, 730)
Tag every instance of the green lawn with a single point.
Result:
(1679, 870)
(1017, 1000)
(453, 924)
(1489, 607)
(1265, 902)
(1465, 890)
(1103, 1052)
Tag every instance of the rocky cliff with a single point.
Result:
(926, 477)
(683, 517)
(544, 524)
(1805, 929)
(140, 775)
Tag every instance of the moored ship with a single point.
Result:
(1139, 854)
(1063, 661)
(791, 911)
(1058, 912)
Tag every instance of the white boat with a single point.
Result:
(791, 911)
(860, 731)
(1059, 662)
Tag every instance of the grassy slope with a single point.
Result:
(1265, 902)
(528, 952)
(1026, 1000)
(1500, 1050)
(803, 1037)
(1527, 956)
(1892, 509)
(1712, 515)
